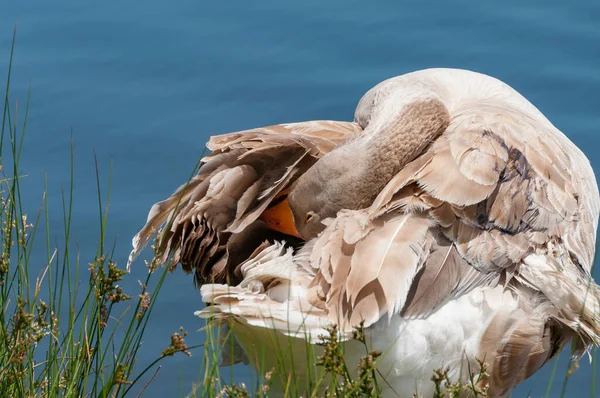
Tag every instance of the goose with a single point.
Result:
(450, 219)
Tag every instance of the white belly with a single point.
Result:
(412, 348)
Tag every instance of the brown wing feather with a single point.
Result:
(365, 267)
(497, 185)
(444, 275)
(233, 186)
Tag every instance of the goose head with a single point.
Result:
(400, 119)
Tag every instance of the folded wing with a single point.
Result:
(495, 188)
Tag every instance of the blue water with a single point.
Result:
(144, 84)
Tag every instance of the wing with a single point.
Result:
(366, 268)
(498, 174)
(210, 224)
(496, 187)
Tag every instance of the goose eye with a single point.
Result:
(309, 216)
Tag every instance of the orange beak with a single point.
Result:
(278, 216)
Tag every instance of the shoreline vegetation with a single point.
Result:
(69, 330)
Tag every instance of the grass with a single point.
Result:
(70, 329)
(337, 377)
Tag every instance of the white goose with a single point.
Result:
(451, 217)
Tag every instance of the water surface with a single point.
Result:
(146, 83)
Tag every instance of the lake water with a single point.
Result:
(146, 83)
